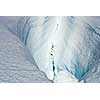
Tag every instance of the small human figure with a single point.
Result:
(84, 81)
(52, 59)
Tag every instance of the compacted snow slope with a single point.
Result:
(16, 64)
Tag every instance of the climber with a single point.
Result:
(52, 59)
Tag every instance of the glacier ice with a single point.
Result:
(75, 39)
(65, 76)
(76, 43)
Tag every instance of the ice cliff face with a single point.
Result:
(67, 49)
(75, 40)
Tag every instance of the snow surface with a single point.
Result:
(16, 64)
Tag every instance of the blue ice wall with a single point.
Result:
(76, 42)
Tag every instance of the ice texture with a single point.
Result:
(76, 43)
